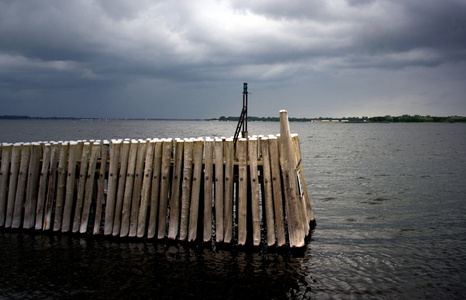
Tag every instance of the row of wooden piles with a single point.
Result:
(192, 189)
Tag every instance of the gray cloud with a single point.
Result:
(189, 58)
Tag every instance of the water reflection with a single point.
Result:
(69, 266)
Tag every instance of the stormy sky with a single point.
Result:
(189, 59)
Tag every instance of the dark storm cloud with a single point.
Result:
(161, 51)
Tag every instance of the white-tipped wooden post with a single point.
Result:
(51, 190)
(186, 188)
(21, 187)
(196, 188)
(41, 195)
(101, 187)
(277, 191)
(145, 193)
(295, 222)
(177, 175)
(84, 163)
(122, 175)
(89, 188)
(32, 186)
(155, 190)
(4, 174)
(242, 197)
(254, 181)
(208, 184)
(74, 153)
(229, 177)
(268, 195)
(307, 200)
(112, 186)
(14, 171)
(218, 190)
(61, 185)
(136, 197)
(165, 187)
(126, 206)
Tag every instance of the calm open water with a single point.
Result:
(389, 201)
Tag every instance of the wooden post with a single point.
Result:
(138, 178)
(242, 145)
(165, 187)
(74, 152)
(195, 190)
(14, 172)
(89, 188)
(84, 164)
(268, 196)
(295, 222)
(32, 186)
(123, 229)
(208, 185)
(229, 152)
(277, 190)
(186, 188)
(219, 190)
(51, 190)
(41, 195)
(101, 187)
(61, 185)
(305, 197)
(145, 194)
(155, 189)
(254, 181)
(4, 176)
(21, 187)
(122, 175)
(174, 223)
(112, 186)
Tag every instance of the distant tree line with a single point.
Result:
(417, 119)
(292, 119)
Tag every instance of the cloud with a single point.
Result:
(103, 49)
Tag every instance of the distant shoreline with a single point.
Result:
(377, 119)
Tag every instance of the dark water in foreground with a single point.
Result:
(389, 201)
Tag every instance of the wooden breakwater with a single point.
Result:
(250, 190)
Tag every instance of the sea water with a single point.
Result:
(389, 201)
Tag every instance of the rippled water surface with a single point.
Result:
(389, 201)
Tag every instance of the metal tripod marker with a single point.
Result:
(243, 119)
